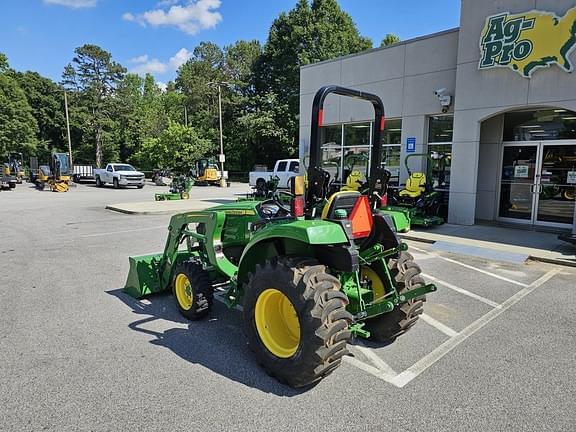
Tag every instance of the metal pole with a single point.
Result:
(222, 179)
(68, 127)
(186, 115)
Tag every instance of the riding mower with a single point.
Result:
(56, 175)
(263, 191)
(179, 189)
(354, 164)
(418, 200)
(310, 274)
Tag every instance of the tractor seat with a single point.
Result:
(345, 200)
(415, 185)
(353, 182)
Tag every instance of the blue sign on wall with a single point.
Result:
(410, 144)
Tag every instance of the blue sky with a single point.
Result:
(158, 35)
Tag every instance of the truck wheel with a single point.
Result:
(99, 182)
(140, 186)
(260, 184)
(296, 320)
(388, 326)
(192, 290)
(115, 183)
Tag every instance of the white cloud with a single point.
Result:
(191, 16)
(144, 64)
(162, 85)
(76, 4)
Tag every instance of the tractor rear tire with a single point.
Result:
(296, 320)
(388, 326)
(192, 290)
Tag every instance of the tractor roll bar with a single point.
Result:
(317, 119)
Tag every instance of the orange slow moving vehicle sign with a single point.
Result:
(361, 218)
(528, 41)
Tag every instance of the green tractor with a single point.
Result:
(419, 202)
(310, 274)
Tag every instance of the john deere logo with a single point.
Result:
(528, 41)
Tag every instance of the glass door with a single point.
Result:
(556, 184)
(518, 184)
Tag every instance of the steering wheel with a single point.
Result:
(276, 199)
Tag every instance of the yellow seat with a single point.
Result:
(345, 200)
(353, 182)
(415, 185)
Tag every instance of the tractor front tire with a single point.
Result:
(192, 290)
(296, 320)
(388, 326)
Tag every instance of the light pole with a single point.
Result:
(221, 157)
(68, 127)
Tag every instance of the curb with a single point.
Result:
(530, 257)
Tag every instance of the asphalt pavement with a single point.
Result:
(493, 352)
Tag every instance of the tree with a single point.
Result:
(18, 127)
(46, 98)
(307, 34)
(95, 76)
(389, 39)
(177, 147)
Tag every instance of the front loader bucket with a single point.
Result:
(143, 276)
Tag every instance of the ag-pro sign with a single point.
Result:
(528, 41)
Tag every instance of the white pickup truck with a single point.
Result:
(119, 174)
(284, 169)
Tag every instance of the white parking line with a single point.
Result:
(424, 363)
(461, 290)
(468, 266)
(438, 325)
(374, 358)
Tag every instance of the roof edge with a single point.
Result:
(371, 50)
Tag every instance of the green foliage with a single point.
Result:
(18, 127)
(118, 116)
(94, 77)
(307, 34)
(390, 39)
(177, 147)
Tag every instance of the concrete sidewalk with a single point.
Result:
(502, 243)
(166, 207)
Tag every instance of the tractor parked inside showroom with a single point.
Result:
(310, 273)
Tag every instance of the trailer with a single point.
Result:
(82, 173)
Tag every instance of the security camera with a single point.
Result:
(441, 92)
(444, 97)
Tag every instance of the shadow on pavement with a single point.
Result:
(217, 342)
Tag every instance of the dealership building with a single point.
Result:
(491, 106)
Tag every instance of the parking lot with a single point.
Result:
(494, 349)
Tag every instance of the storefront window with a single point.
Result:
(356, 134)
(391, 161)
(332, 134)
(440, 129)
(392, 132)
(541, 125)
(441, 155)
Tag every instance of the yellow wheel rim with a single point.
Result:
(377, 284)
(184, 195)
(277, 323)
(184, 294)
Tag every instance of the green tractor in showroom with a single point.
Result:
(311, 271)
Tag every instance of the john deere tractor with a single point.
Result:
(310, 273)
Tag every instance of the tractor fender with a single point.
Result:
(325, 241)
